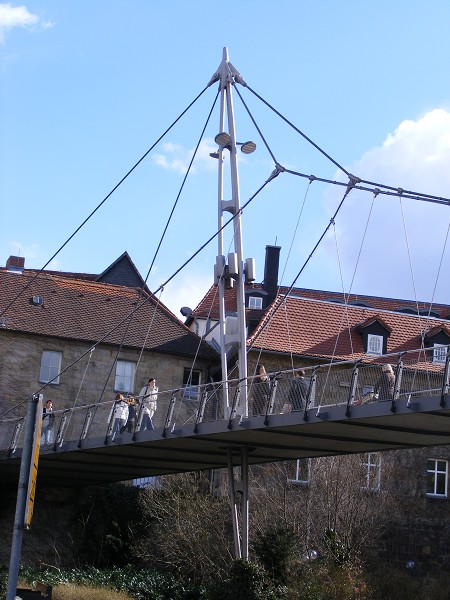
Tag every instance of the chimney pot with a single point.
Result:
(271, 266)
(15, 263)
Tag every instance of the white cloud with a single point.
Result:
(18, 16)
(186, 290)
(394, 263)
(176, 158)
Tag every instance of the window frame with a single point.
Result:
(372, 472)
(255, 300)
(435, 472)
(51, 367)
(380, 341)
(121, 379)
(301, 464)
(437, 353)
(191, 391)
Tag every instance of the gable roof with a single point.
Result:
(440, 328)
(319, 329)
(83, 309)
(210, 302)
(123, 272)
(371, 320)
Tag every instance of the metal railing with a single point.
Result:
(329, 384)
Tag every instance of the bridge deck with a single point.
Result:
(332, 430)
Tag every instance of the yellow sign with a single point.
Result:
(34, 464)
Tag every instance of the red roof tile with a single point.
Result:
(210, 303)
(90, 311)
(325, 329)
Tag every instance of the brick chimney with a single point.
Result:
(271, 265)
(15, 263)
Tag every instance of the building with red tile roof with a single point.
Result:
(56, 316)
(298, 326)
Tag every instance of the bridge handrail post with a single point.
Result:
(233, 406)
(398, 381)
(446, 377)
(271, 399)
(312, 383)
(170, 410)
(137, 426)
(201, 408)
(60, 435)
(353, 384)
(86, 424)
(110, 426)
(15, 436)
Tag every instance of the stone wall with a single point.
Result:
(85, 381)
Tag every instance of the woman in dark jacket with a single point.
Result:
(384, 387)
(261, 392)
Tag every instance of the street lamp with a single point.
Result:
(224, 139)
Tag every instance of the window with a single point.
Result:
(148, 482)
(374, 344)
(191, 381)
(371, 465)
(125, 371)
(298, 471)
(255, 303)
(437, 478)
(50, 366)
(439, 353)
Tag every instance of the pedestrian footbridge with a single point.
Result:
(195, 429)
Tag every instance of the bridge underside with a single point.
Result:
(368, 428)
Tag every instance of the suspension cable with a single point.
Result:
(152, 295)
(294, 235)
(345, 314)
(182, 186)
(376, 188)
(156, 253)
(405, 230)
(350, 289)
(102, 202)
(439, 268)
(257, 128)
(341, 168)
(350, 186)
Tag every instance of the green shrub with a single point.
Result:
(107, 517)
(138, 583)
(247, 581)
(276, 548)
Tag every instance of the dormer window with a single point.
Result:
(374, 344)
(439, 353)
(375, 333)
(438, 340)
(255, 303)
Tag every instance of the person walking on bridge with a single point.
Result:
(118, 415)
(384, 387)
(148, 396)
(48, 423)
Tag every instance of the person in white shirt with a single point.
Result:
(119, 415)
(148, 396)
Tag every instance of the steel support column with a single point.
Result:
(239, 504)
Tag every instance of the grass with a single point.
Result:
(72, 591)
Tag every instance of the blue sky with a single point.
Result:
(87, 87)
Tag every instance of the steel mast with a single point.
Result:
(234, 271)
(228, 272)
